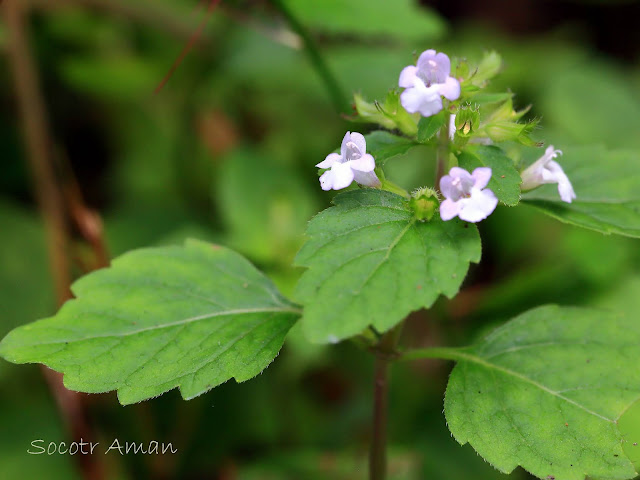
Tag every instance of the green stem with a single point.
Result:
(442, 154)
(335, 91)
(393, 188)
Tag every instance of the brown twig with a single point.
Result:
(51, 205)
(190, 44)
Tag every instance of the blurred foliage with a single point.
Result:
(226, 152)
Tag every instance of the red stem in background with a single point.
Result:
(189, 46)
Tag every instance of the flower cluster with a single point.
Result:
(426, 83)
(353, 163)
(465, 194)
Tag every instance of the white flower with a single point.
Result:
(426, 82)
(353, 163)
(452, 126)
(465, 195)
(547, 170)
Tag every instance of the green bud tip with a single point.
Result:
(424, 203)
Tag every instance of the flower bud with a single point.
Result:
(424, 203)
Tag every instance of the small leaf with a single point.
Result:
(607, 186)
(371, 262)
(490, 98)
(488, 68)
(384, 145)
(546, 390)
(428, 126)
(505, 179)
(190, 317)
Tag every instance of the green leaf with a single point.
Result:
(384, 145)
(390, 115)
(488, 68)
(189, 316)
(607, 186)
(505, 179)
(402, 19)
(263, 204)
(545, 392)
(372, 263)
(428, 126)
(490, 98)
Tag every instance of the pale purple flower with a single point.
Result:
(547, 170)
(353, 163)
(425, 83)
(466, 196)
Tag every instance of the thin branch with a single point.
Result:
(315, 57)
(50, 202)
(190, 44)
(38, 144)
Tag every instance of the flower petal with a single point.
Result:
(565, 189)
(479, 206)
(481, 176)
(461, 173)
(450, 88)
(329, 161)
(326, 180)
(457, 184)
(368, 179)
(407, 76)
(360, 142)
(452, 126)
(449, 209)
(447, 188)
(342, 175)
(421, 99)
(555, 174)
(343, 146)
(434, 67)
(364, 164)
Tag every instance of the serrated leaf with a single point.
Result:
(384, 145)
(370, 262)
(545, 392)
(505, 179)
(428, 126)
(189, 316)
(607, 186)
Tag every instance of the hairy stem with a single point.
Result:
(333, 87)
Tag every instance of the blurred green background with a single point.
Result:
(226, 152)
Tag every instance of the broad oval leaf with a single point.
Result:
(505, 179)
(370, 262)
(384, 145)
(189, 316)
(546, 391)
(607, 186)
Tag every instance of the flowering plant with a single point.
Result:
(194, 316)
